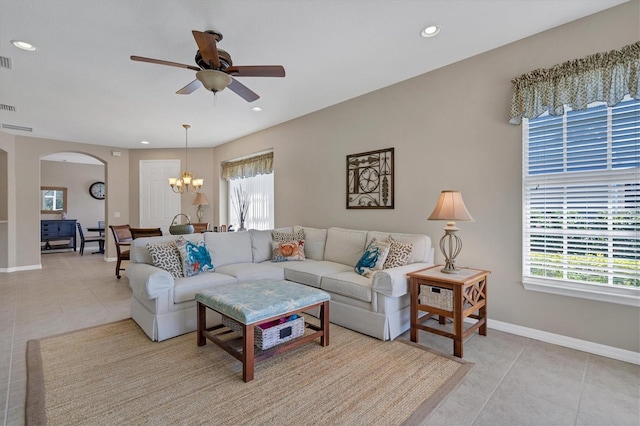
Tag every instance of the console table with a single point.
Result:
(58, 230)
(457, 296)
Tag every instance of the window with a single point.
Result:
(252, 176)
(260, 191)
(581, 203)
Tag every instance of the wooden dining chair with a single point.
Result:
(99, 240)
(200, 227)
(145, 232)
(122, 237)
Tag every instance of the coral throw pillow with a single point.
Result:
(287, 250)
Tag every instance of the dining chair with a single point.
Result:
(145, 232)
(122, 237)
(83, 240)
(200, 227)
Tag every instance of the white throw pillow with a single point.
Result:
(314, 241)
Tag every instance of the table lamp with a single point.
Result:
(200, 200)
(450, 207)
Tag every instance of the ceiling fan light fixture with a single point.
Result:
(214, 80)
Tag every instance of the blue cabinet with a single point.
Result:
(58, 230)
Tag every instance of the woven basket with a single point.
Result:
(272, 336)
(176, 229)
(437, 297)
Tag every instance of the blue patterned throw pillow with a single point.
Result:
(373, 258)
(195, 257)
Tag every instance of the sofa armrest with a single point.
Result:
(148, 281)
(393, 282)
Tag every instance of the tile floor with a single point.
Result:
(515, 380)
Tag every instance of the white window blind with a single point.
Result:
(581, 199)
(261, 210)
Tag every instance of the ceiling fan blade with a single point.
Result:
(161, 62)
(256, 71)
(189, 88)
(243, 91)
(207, 45)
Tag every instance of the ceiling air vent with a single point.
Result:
(21, 128)
(4, 107)
(5, 62)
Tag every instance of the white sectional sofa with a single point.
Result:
(165, 307)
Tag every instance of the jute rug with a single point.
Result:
(114, 375)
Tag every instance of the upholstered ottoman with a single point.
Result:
(256, 303)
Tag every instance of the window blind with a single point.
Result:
(581, 196)
(261, 207)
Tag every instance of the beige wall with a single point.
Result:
(449, 130)
(77, 178)
(200, 163)
(27, 152)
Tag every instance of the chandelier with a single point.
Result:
(186, 182)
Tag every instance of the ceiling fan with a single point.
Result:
(215, 70)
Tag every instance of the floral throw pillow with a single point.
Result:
(287, 250)
(195, 257)
(167, 257)
(399, 254)
(373, 258)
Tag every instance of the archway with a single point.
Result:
(76, 172)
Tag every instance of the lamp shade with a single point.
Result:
(200, 200)
(213, 80)
(451, 207)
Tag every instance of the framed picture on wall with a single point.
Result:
(370, 180)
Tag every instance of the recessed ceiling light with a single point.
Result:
(430, 31)
(145, 142)
(24, 45)
(256, 109)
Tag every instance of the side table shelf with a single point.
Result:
(459, 296)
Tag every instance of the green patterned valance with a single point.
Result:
(248, 167)
(605, 77)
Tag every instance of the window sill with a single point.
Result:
(620, 295)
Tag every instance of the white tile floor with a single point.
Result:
(515, 380)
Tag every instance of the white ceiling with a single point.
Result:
(81, 85)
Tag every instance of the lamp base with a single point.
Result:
(199, 213)
(450, 245)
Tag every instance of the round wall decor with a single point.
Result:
(97, 190)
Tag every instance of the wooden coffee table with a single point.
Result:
(255, 303)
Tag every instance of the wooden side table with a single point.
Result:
(456, 296)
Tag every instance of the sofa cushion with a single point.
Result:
(314, 242)
(421, 244)
(287, 250)
(167, 257)
(247, 272)
(260, 245)
(348, 284)
(186, 288)
(373, 258)
(311, 272)
(345, 245)
(399, 254)
(139, 252)
(229, 247)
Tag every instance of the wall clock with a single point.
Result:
(97, 190)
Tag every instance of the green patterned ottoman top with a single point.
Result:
(259, 300)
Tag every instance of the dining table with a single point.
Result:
(100, 231)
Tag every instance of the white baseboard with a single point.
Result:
(20, 268)
(567, 342)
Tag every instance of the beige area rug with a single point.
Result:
(113, 374)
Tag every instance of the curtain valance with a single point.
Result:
(605, 77)
(248, 167)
